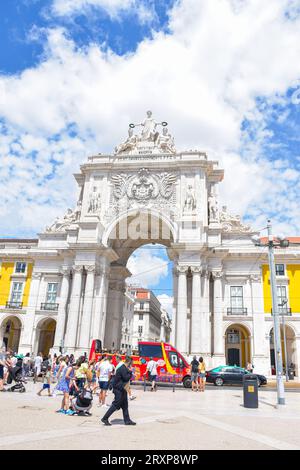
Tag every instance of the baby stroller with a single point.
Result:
(15, 375)
(82, 402)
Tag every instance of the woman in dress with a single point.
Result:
(64, 386)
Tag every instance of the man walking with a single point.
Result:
(152, 370)
(120, 381)
(105, 371)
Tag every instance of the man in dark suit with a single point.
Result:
(121, 378)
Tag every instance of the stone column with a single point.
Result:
(181, 326)
(104, 309)
(73, 316)
(27, 333)
(260, 348)
(174, 311)
(219, 346)
(84, 337)
(196, 344)
(61, 314)
(205, 328)
(98, 310)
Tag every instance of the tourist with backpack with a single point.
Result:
(194, 374)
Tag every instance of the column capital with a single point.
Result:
(65, 271)
(36, 275)
(196, 269)
(217, 274)
(77, 268)
(255, 278)
(182, 269)
(90, 268)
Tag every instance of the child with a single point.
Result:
(46, 382)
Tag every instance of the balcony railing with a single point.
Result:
(236, 311)
(49, 306)
(283, 311)
(13, 304)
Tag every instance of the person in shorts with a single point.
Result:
(202, 372)
(152, 371)
(194, 374)
(46, 382)
(105, 372)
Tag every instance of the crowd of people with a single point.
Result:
(67, 376)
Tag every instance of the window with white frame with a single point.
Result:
(140, 329)
(279, 269)
(282, 299)
(51, 293)
(16, 292)
(236, 299)
(20, 267)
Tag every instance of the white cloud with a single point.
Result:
(147, 268)
(114, 8)
(203, 78)
(167, 303)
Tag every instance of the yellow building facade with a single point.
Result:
(289, 281)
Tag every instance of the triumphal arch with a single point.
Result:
(146, 191)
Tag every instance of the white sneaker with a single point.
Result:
(105, 406)
(133, 397)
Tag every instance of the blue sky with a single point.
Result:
(22, 22)
(225, 75)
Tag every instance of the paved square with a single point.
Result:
(184, 419)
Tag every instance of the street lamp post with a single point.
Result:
(277, 340)
(283, 243)
(283, 304)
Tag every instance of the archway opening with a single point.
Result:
(237, 345)
(11, 332)
(143, 244)
(46, 333)
(288, 348)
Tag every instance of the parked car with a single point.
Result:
(231, 375)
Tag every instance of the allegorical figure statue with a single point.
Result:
(213, 208)
(94, 201)
(129, 143)
(165, 141)
(190, 200)
(149, 127)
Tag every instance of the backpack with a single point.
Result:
(195, 365)
(44, 365)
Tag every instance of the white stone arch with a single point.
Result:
(44, 333)
(13, 342)
(244, 351)
(173, 228)
(291, 344)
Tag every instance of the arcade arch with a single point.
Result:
(45, 332)
(237, 345)
(10, 332)
(289, 351)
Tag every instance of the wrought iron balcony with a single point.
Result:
(283, 311)
(236, 311)
(49, 306)
(13, 304)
